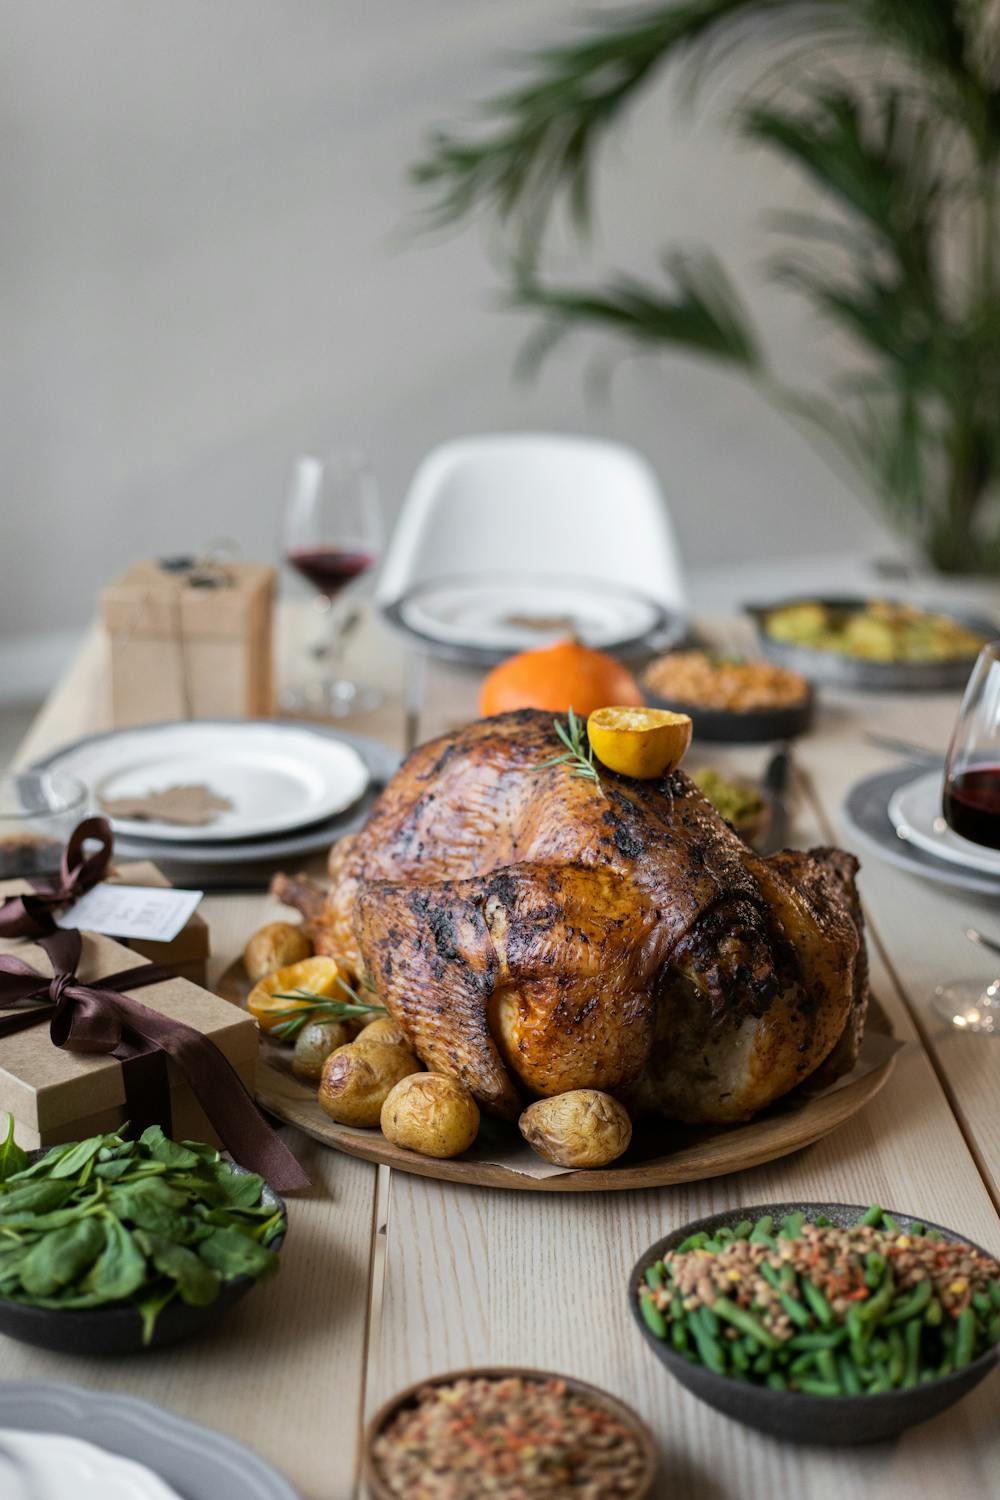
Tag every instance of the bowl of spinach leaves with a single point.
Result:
(112, 1245)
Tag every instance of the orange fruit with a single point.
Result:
(639, 742)
(566, 675)
(320, 976)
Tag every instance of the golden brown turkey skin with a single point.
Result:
(528, 929)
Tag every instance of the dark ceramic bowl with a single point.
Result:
(792, 1415)
(117, 1328)
(751, 727)
(380, 1490)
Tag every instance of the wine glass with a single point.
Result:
(970, 805)
(332, 537)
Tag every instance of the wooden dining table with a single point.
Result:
(388, 1277)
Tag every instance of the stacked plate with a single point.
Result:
(284, 790)
(897, 815)
(480, 618)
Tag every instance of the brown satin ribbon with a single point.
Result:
(98, 1018)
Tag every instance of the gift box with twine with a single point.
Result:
(190, 639)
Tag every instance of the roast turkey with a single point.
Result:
(535, 931)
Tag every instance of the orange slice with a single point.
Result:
(318, 975)
(639, 742)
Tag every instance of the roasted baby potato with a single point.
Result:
(582, 1128)
(356, 1080)
(430, 1113)
(274, 947)
(314, 1044)
(383, 1032)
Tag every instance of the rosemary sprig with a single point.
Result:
(572, 735)
(320, 1008)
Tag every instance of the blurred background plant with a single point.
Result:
(892, 109)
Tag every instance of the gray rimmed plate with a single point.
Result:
(382, 763)
(197, 1463)
(852, 672)
(866, 810)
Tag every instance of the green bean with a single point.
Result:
(653, 1318)
(875, 1265)
(776, 1381)
(897, 1356)
(889, 1224)
(770, 1273)
(743, 1230)
(965, 1337)
(878, 1304)
(946, 1366)
(926, 1376)
(993, 1329)
(826, 1364)
(693, 1242)
(817, 1301)
(710, 1351)
(738, 1355)
(872, 1219)
(745, 1322)
(994, 1291)
(709, 1320)
(911, 1338)
(763, 1364)
(854, 1323)
(760, 1233)
(831, 1340)
(791, 1226)
(982, 1304)
(819, 1387)
(934, 1314)
(911, 1305)
(848, 1375)
(679, 1335)
(654, 1278)
(822, 1222)
(917, 1228)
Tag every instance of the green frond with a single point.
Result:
(699, 310)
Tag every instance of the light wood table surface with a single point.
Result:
(387, 1278)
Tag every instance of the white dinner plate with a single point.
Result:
(495, 612)
(277, 776)
(915, 812)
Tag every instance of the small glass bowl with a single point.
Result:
(38, 812)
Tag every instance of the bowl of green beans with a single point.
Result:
(820, 1322)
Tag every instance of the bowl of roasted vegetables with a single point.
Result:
(111, 1245)
(872, 643)
(820, 1322)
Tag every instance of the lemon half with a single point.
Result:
(639, 742)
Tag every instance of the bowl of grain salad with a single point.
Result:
(728, 698)
(826, 1323)
(512, 1433)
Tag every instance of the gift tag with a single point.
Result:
(156, 913)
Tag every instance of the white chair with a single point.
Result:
(535, 502)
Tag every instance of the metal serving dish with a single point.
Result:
(837, 670)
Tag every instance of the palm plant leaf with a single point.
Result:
(698, 310)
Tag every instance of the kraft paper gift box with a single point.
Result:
(186, 955)
(190, 642)
(57, 1095)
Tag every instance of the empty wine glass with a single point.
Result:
(332, 537)
(970, 805)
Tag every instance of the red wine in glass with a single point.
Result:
(972, 804)
(329, 569)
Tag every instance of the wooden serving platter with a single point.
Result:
(661, 1154)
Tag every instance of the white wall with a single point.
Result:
(205, 269)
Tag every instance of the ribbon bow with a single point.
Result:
(98, 1018)
(30, 915)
